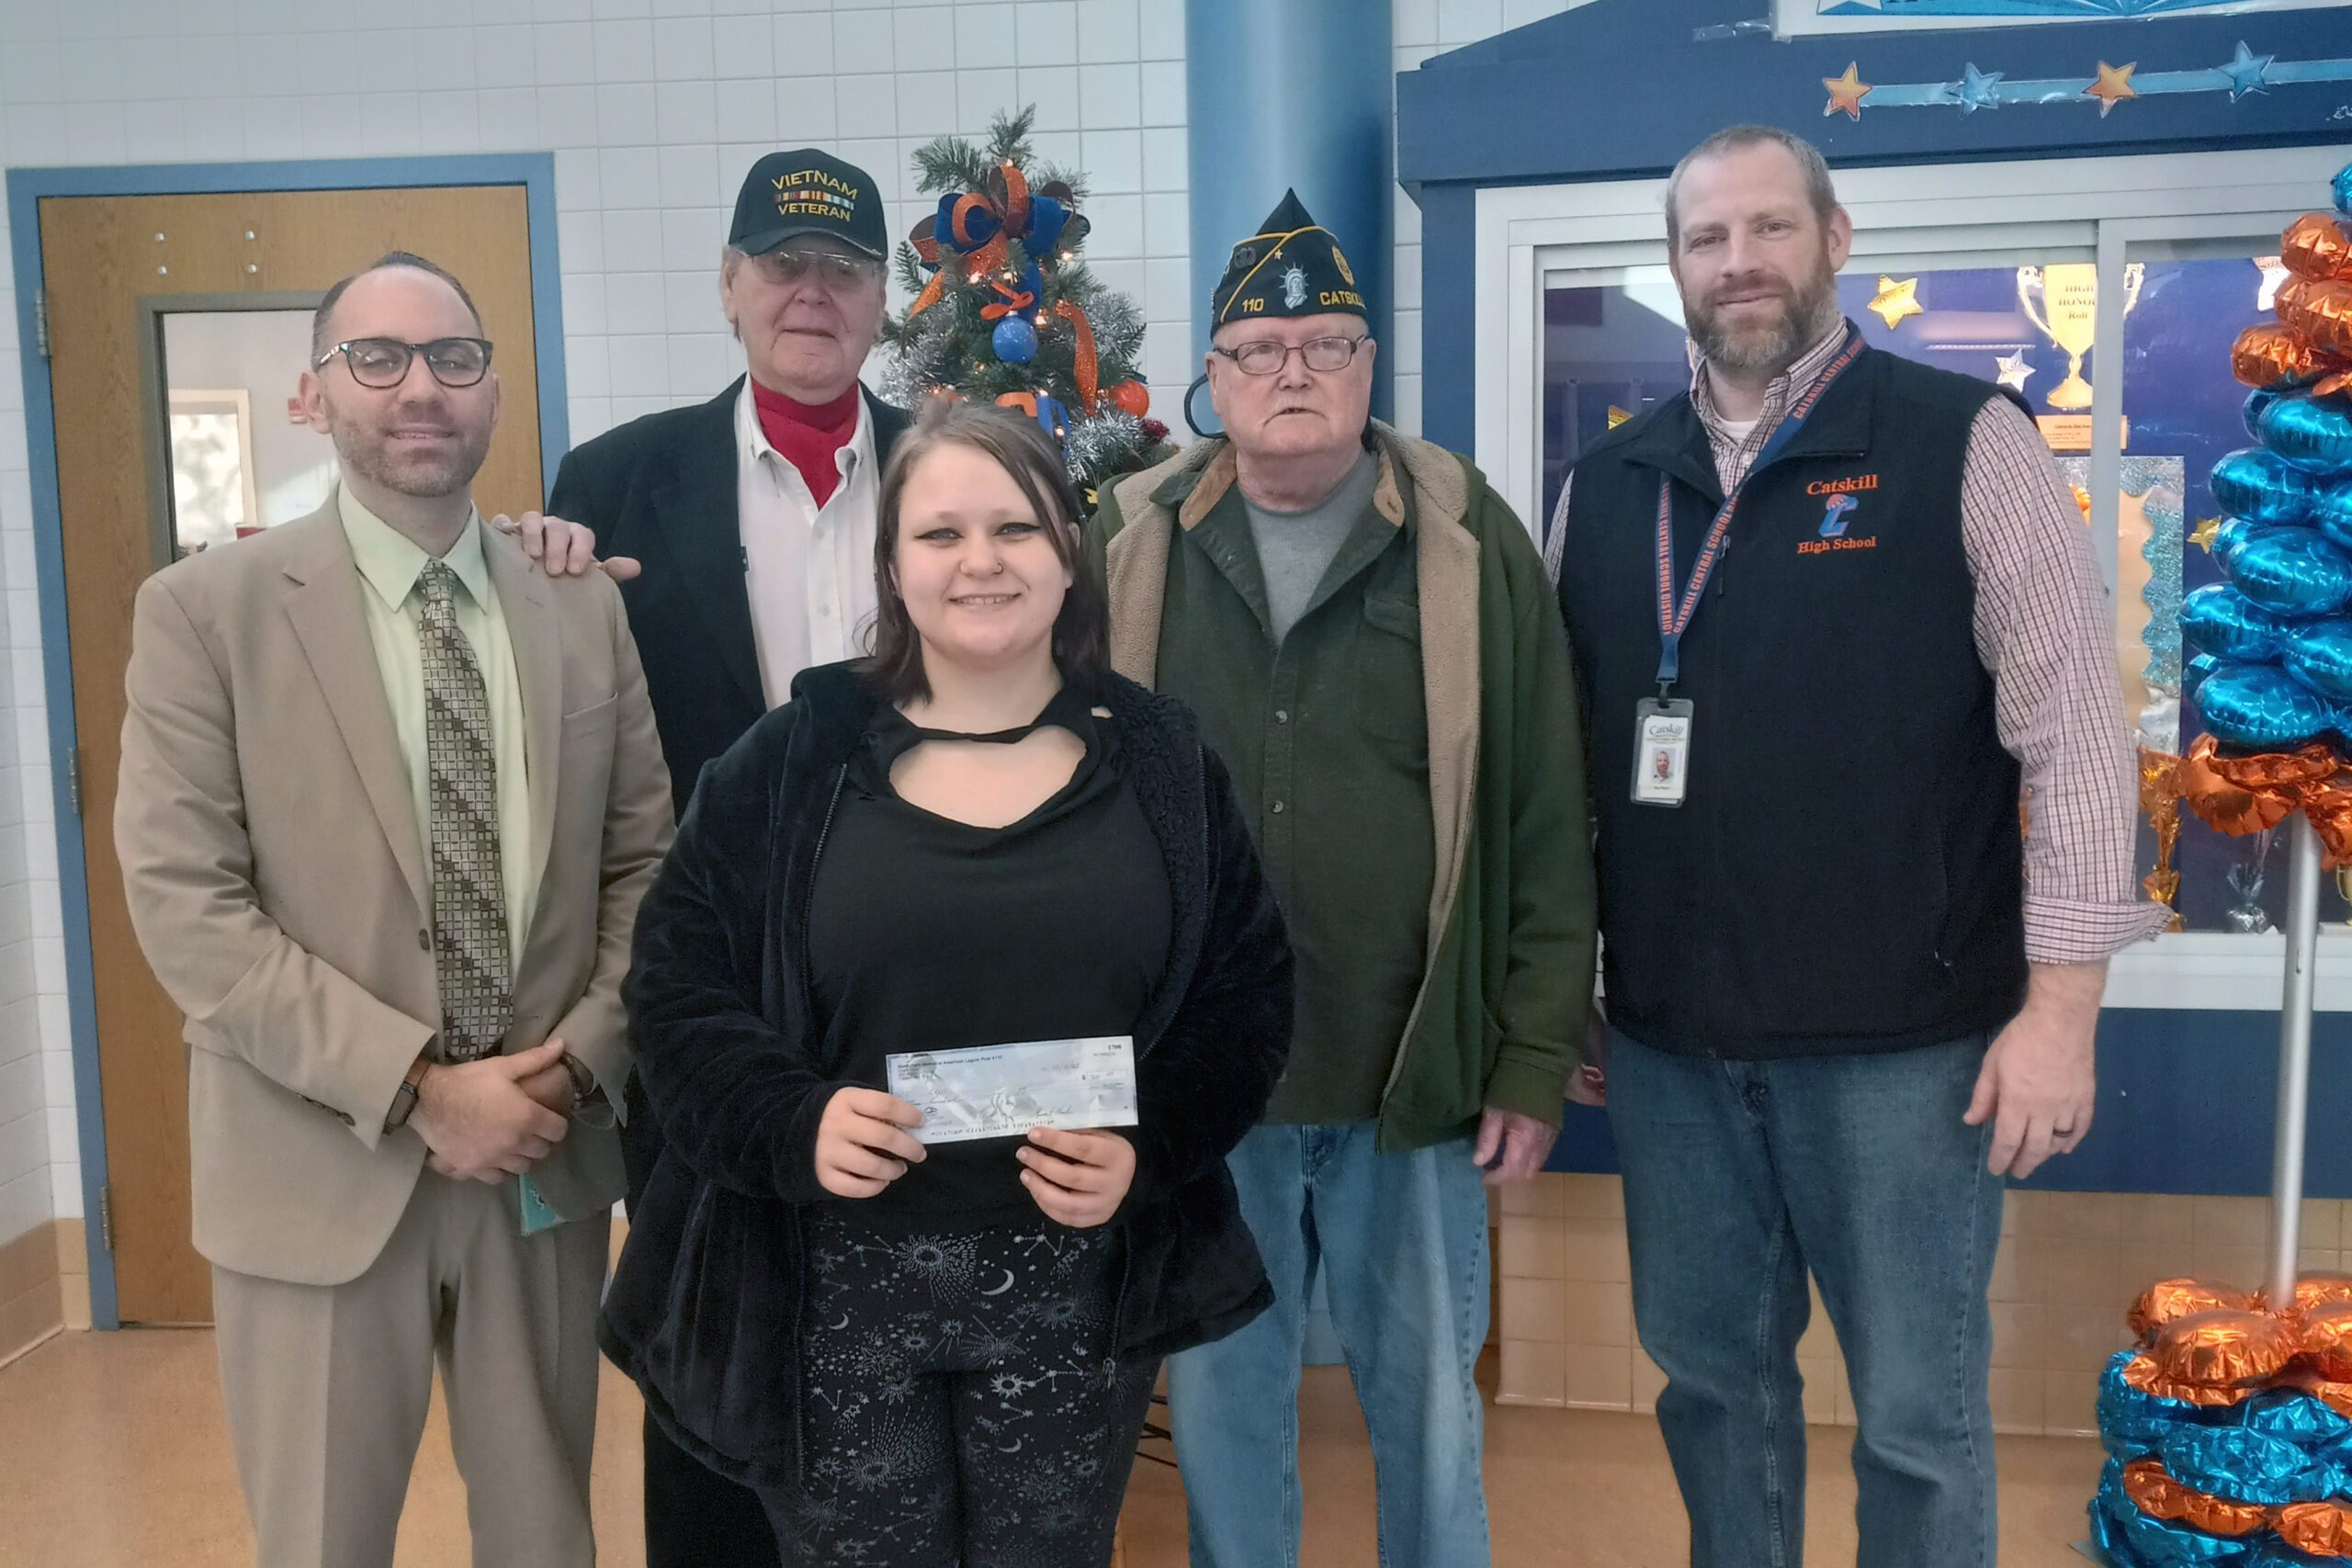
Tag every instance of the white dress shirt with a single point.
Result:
(807, 569)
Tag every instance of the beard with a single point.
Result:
(378, 459)
(1807, 313)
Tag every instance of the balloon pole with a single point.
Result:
(2294, 1059)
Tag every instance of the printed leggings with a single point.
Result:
(961, 1406)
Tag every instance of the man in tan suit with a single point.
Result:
(389, 800)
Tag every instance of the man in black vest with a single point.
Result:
(744, 528)
(1833, 613)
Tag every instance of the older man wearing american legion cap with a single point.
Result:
(1367, 635)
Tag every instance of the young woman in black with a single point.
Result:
(926, 1355)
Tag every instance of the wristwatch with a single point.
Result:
(404, 1097)
(584, 1083)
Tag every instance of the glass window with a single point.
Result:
(242, 457)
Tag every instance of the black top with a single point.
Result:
(705, 1308)
(1833, 653)
(930, 934)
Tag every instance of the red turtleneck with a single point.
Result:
(807, 435)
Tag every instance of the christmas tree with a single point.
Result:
(1005, 312)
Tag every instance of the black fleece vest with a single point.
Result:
(1846, 872)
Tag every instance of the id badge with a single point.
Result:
(1661, 750)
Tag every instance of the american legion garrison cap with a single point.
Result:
(1291, 267)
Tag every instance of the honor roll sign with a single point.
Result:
(1792, 18)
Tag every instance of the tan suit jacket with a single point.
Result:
(277, 881)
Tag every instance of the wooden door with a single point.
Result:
(107, 263)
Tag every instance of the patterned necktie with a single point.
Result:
(468, 888)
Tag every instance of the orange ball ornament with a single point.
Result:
(1132, 397)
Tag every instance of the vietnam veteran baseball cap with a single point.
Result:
(807, 192)
(1292, 266)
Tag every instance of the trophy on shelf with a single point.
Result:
(2062, 300)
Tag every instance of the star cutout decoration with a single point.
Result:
(2114, 85)
(1847, 92)
(2014, 370)
(2203, 535)
(1897, 302)
(1978, 90)
(2248, 73)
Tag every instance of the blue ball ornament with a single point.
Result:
(2220, 620)
(2263, 487)
(1015, 340)
(2293, 572)
(2314, 434)
(2319, 654)
(2262, 707)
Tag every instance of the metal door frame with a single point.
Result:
(27, 189)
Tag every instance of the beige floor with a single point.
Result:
(112, 1455)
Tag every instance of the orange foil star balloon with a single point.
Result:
(2224, 1347)
(2316, 246)
(2142, 1373)
(2248, 795)
(2321, 1529)
(2325, 1332)
(2149, 1484)
(2321, 311)
(2268, 353)
(2322, 1289)
(2169, 1301)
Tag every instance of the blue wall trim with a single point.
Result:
(26, 188)
(1559, 100)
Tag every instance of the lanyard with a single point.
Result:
(1674, 613)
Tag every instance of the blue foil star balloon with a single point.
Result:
(2222, 621)
(2319, 654)
(2258, 402)
(2193, 673)
(2342, 191)
(2263, 487)
(2293, 572)
(2314, 434)
(2332, 516)
(2262, 707)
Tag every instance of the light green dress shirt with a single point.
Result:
(390, 563)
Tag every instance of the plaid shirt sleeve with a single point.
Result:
(2042, 630)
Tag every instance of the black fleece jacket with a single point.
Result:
(704, 1309)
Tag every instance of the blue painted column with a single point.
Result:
(1293, 95)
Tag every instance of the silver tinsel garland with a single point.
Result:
(1100, 447)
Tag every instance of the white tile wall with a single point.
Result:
(653, 107)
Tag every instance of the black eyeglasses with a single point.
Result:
(382, 362)
(1320, 354)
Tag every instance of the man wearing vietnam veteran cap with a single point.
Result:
(1365, 632)
(753, 516)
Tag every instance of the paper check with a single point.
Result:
(1002, 1091)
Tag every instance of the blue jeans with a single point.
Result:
(1402, 1242)
(1740, 1176)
